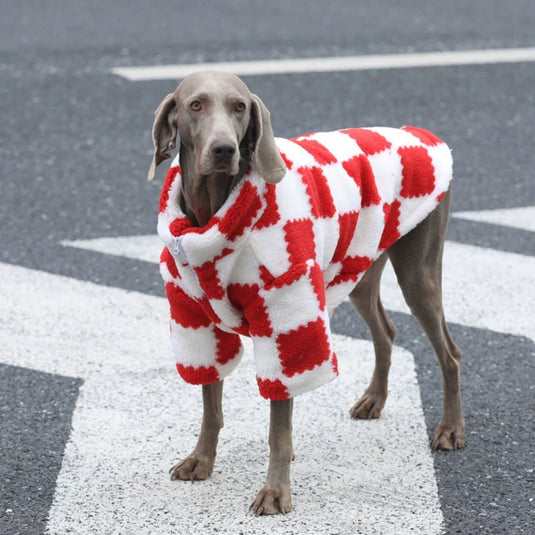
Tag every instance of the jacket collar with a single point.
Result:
(227, 228)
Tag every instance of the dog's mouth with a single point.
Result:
(210, 166)
(224, 168)
(229, 168)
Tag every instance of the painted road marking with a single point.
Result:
(333, 64)
(141, 247)
(522, 218)
(482, 288)
(134, 419)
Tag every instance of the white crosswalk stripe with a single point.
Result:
(365, 476)
(522, 217)
(141, 418)
(482, 287)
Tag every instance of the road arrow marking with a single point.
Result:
(134, 419)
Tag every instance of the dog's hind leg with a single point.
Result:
(198, 465)
(417, 261)
(366, 300)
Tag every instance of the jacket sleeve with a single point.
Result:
(289, 325)
(203, 352)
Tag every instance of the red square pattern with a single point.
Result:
(391, 230)
(418, 172)
(228, 346)
(304, 348)
(271, 213)
(209, 277)
(348, 223)
(272, 390)
(287, 161)
(240, 215)
(246, 298)
(201, 375)
(299, 237)
(369, 141)
(169, 179)
(318, 190)
(352, 268)
(321, 154)
(184, 310)
(167, 259)
(360, 170)
(316, 279)
(426, 137)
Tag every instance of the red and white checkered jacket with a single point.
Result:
(276, 260)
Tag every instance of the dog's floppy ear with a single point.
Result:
(164, 131)
(265, 155)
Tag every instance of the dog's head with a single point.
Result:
(220, 122)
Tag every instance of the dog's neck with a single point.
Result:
(202, 196)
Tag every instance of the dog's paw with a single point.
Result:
(272, 501)
(368, 406)
(448, 437)
(193, 468)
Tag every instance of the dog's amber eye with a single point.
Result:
(240, 106)
(196, 105)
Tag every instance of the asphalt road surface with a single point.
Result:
(91, 413)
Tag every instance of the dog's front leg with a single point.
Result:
(200, 462)
(275, 496)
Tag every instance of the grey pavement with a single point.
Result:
(75, 147)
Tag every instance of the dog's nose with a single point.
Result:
(223, 151)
